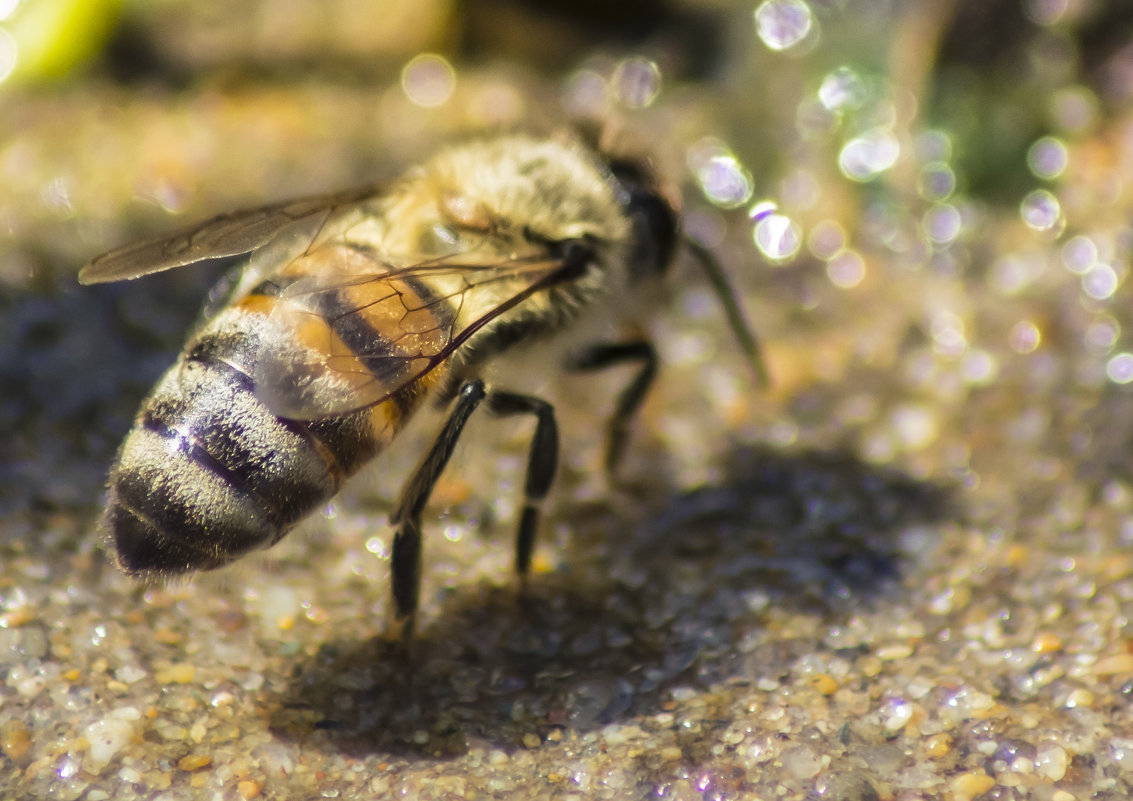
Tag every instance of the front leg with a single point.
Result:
(405, 558)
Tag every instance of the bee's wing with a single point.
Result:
(225, 235)
(351, 342)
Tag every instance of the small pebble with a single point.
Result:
(938, 745)
(275, 758)
(106, 738)
(1051, 762)
(17, 617)
(128, 674)
(895, 714)
(193, 761)
(970, 785)
(889, 653)
(824, 683)
(198, 731)
(168, 636)
(1079, 698)
(870, 666)
(1118, 663)
(28, 683)
(248, 789)
(15, 740)
(1023, 765)
(180, 673)
(802, 762)
(1046, 643)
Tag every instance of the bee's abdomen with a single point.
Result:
(208, 473)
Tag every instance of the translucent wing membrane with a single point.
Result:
(346, 329)
(219, 237)
(355, 341)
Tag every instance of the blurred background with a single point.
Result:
(925, 205)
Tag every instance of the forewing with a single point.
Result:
(355, 340)
(222, 236)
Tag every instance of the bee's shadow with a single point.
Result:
(681, 596)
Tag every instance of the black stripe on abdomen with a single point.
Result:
(209, 473)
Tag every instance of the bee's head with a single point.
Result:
(653, 211)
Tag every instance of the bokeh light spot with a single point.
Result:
(979, 367)
(1024, 337)
(1079, 254)
(762, 210)
(1119, 369)
(1100, 282)
(638, 82)
(865, 156)
(1102, 334)
(936, 181)
(428, 80)
(778, 237)
(782, 24)
(1040, 210)
(842, 89)
(948, 338)
(725, 182)
(1047, 158)
(942, 223)
(585, 93)
(720, 175)
(846, 270)
(826, 239)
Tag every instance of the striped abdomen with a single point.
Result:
(208, 473)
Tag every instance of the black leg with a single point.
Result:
(602, 355)
(541, 465)
(405, 561)
(405, 568)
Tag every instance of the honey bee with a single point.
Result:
(353, 311)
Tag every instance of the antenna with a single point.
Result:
(737, 319)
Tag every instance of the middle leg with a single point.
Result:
(610, 354)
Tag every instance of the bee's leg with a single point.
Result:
(541, 465)
(405, 561)
(609, 354)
